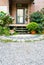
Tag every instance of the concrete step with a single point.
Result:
(21, 30)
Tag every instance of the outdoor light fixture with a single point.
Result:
(33, 2)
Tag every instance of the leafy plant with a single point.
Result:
(36, 17)
(1, 30)
(8, 20)
(42, 19)
(39, 28)
(1, 22)
(42, 11)
(33, 26)
(6, 31)
(42, 22)
(5, 18)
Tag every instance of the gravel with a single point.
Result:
(22, 53)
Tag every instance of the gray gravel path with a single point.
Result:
(22, 53)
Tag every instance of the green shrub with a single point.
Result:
(1, 30)
(8, 20)
(42, 22)
(39, 28)
(1, 22)
(42, 19)
(42, 11)
(6, 31)
(42, 25)
(2, 15)
(36, 17)
(33, 26)
(5, 18)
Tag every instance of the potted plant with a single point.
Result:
(32, 27)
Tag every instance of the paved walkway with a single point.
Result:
(22, 53)
(23, 37)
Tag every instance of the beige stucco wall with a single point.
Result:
(4, 5)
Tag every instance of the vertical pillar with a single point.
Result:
(14, 12)
(29, 12)
(4, 5)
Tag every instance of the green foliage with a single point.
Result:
(36, 17)
(5, 19)
(2, 15)
(6, 31)
(42, 22)
(1, 22)
(39, 29)
(33, 26)
(42, 19)
(8, 20)
(42, 11)
(1, 30)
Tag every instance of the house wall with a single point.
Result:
(13, 12)
(4, 5)
(38, 5)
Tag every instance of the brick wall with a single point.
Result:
(4, 5)
(39, 4)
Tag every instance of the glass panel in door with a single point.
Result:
(20, 16)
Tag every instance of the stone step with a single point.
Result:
(21, 30)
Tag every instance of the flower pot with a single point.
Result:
(43, 32)
(33, 32)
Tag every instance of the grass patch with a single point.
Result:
(7, 40)
(28, 40)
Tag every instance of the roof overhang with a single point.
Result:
(22, 1)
